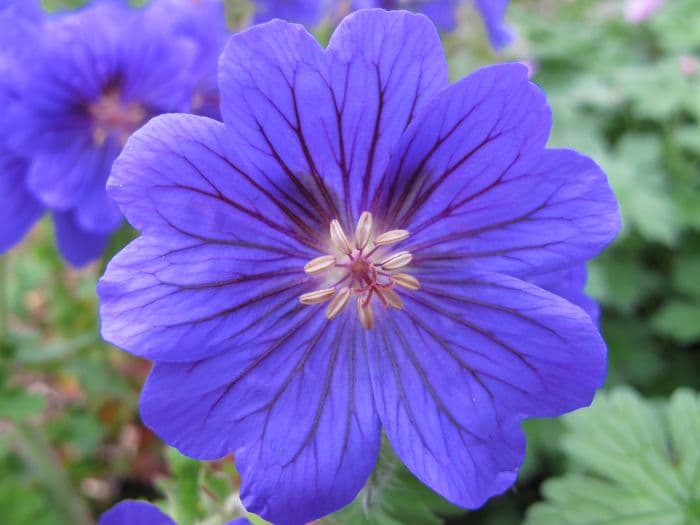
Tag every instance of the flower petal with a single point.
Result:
(492, 13)
(19, 210)
(77, 246)
(97, 212)
(221, 253)
(132, 512)
(295, 407)
(59, 179)
(570, 284)
(474, 186)
(307, 12)
(327, 121)
(467, 357)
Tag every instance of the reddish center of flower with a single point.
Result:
(361, 269)
(111, 116)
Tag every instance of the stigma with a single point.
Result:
(363, 269)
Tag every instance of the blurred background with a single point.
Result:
(624, 85)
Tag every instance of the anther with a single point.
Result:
(317, 297)
(365, 313)
(319, 264)
(339, 239)
(396, 261)
(392, 298)
(363, 232)
(405, 280)
(338, 303)
(391, 237)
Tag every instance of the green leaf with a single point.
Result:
(17, 405)
(392, 496)
(633, 462)
(679, 320)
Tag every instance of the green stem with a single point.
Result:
(38, 454)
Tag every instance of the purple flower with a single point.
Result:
(132, 512)
(204, 22)
(307, 12)
(441, 12)
(94, 77)
(348, 253)
(492, 13)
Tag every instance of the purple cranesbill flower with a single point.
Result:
(493, 13)
(204, 22)
(133, 512)
(441, 12)
(348, 253)
(19, 26)
(95, 76)
(307, 12)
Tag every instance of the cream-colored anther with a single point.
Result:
(319, 264)
(363, 232)
(405, 280)
(339, 302)
(365, 313)
(339, 239)
(317, 297)
(396, 261)
(392, 298)
(391, 237)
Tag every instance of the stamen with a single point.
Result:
(319, 264)
(396, 261)
(392, 298)
(363, 232)
(364, 270)
(338, 303)
(365, 313)
(339, 239)
(317, 297)
(405, 280)
(391, 237)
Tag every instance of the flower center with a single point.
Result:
(362, 268)
(112, 116)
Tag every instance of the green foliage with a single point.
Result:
(632, 461)
(392, 496)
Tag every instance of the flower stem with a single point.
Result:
(38, 454)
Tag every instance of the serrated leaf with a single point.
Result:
(633, 462)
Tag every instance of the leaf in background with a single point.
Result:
(16, 405)
(633, 462)
(679, 320)
(392, 496)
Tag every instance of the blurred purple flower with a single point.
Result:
(133, 512)
(307, 12)
(493, 13)
(283, 337)
(204, 22)
(95, 76)
(441, 12)
(637, 11)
